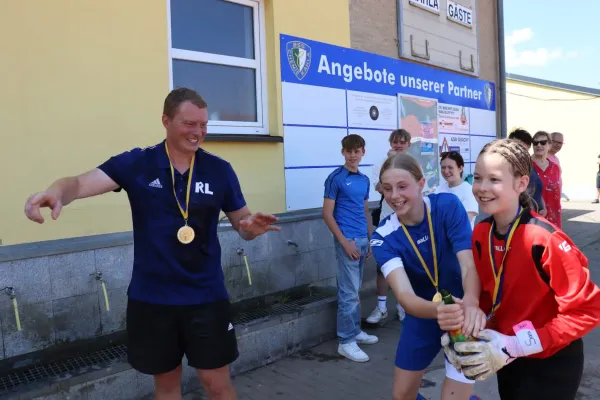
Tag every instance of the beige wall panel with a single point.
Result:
(374, 27)
(443, 52)
(449, 37)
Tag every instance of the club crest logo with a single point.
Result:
(299, 57)
(488, 94)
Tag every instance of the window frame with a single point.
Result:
(259, 64)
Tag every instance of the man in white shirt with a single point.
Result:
(557, 144)
(399, 143)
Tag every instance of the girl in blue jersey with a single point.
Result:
(423, 247)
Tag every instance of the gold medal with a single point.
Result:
(435, 277)
(185, 234)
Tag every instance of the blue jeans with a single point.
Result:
(349, 281)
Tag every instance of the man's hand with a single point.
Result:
(39, 200)
(450, 316)
(351, 250)
(369, 254)
(259, 223)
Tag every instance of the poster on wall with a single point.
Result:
(460, 143)
(370, 110)
(330, 91)
(453, 119)
(419, 116)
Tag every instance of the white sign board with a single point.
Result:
(429, 5)
(459, 14)
(453, 118)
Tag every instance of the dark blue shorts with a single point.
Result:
(598, 180)
(419, 343)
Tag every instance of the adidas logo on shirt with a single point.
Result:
(155, 183)
(230, 327)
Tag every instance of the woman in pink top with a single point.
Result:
(549, 173)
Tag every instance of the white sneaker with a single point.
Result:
(364, 338)
(352, 352)
(401, 313)
(377, 315)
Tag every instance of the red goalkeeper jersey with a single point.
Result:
(546, 281)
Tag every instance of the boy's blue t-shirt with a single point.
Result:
(452, 232)
(349, 190)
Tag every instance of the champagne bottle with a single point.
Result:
(456, 335)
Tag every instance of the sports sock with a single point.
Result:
(382, 303)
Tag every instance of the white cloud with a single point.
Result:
(535, 58)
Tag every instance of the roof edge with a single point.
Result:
(553, 84)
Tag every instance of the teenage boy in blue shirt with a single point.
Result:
(346, 213)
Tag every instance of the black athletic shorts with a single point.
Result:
(159, 335)
(553, 378)
(598, 180)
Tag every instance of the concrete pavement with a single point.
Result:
(320, 373)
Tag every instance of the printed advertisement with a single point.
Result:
(460, 143)
(371, 110)
(419, 116)
(453, 119)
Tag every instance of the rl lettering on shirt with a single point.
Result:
(203, 187)
(528, 338)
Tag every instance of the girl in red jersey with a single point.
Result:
(536, 288)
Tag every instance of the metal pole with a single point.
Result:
(501, 69)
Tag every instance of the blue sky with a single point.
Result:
(543, 42)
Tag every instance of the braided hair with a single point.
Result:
(518, 159)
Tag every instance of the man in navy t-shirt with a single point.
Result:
(346, 213)
(177, 300)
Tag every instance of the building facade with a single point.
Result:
(542, 105)
(83, 81)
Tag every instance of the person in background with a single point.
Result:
(549, 173)
(597, 183)
(400, 141)
(453, 165)
(346, 213)
(536, 288)
(557, 139)
(536, 187)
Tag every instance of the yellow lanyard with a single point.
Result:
(189, 185)
(435, 263)
(499, 273)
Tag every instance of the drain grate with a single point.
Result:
(278, 308)
(104, 357)
(73, 365)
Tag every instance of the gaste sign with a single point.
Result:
(459, 14)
